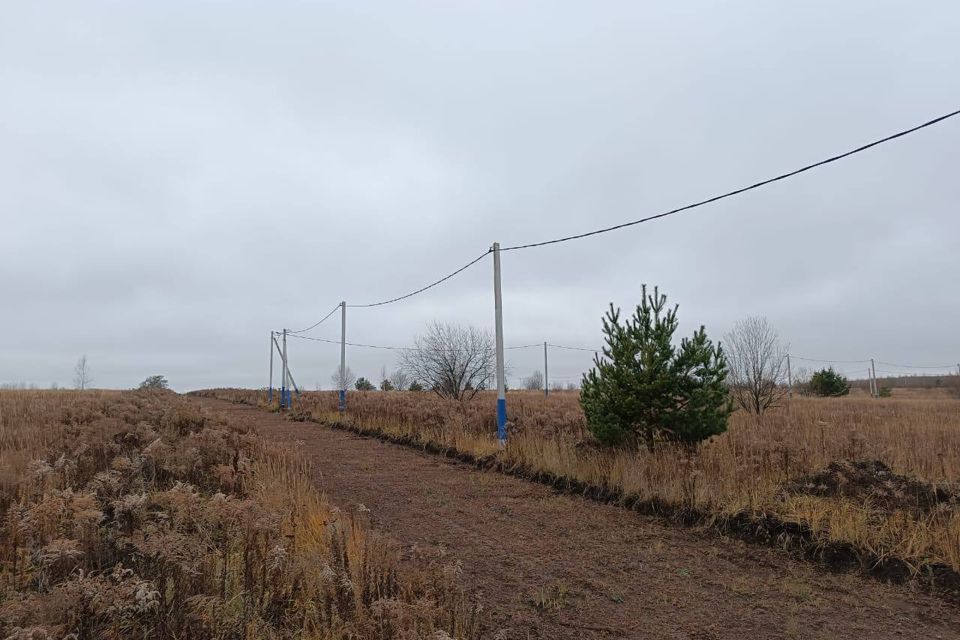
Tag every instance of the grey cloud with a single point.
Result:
(177, 179)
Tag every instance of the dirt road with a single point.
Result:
(546, 565)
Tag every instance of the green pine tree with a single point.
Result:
(644, 388)
(362, 384)
(829, 383)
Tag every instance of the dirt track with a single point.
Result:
(597, 571)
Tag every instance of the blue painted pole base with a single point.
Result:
(343, 400)
(270, 394)
(502, 419)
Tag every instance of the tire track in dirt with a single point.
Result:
(547, 565)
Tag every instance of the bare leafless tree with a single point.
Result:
(385, 383)
(533, 382)
(757, 360)
(344, 381)
(400, 380)
(801, 381)
(452, 360)
(82, 377)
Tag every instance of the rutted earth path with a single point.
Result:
(597, 571)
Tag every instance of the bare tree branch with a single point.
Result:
(344, 381)
(400, 380)
(81, 374)
(452, 360)
(534, 382)
(757, 360)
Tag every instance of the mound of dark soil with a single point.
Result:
(872, 481)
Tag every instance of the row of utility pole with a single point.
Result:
(871, 378)
(287, 378)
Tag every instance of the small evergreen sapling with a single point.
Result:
(644, 388)
(828, 383)
(362, 384)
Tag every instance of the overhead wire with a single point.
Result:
(735, 192)
(316, 324)
(560, 346)
(664, 214)
(355, 344)
(422, 289)
(907, 374)
(795, 357)
(918, 366)
(398, 298)
(396, 348)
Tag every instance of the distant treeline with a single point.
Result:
(912, 382)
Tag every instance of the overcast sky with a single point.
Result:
(179, 178)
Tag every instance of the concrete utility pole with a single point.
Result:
(789, 378)
(293, 387)
(270, 388)
(343, 356)
(501, 383)
(276, 344)
(873, 374)
(284, 392)
(546, 379)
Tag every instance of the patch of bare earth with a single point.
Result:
(546, 565)
(872, 481)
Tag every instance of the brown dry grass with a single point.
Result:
(744, 471)
(132, 515)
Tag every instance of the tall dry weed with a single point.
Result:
(134, 515)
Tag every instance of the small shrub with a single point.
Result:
(363, 384)
(153, 383)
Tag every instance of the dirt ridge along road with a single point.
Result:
(548, 565)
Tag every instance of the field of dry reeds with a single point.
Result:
(126, 514)
(878, 477)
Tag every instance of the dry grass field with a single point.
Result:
(131, 514)
(878, 476)
(128, 514)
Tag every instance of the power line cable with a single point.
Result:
(429, 286)
(397, 299)
(355, 344)
(916, 366)
(729, 194)
(394, 348)
(636, 222)
(908, 374)
(560, 346)
(316, 324)
(795, 357)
